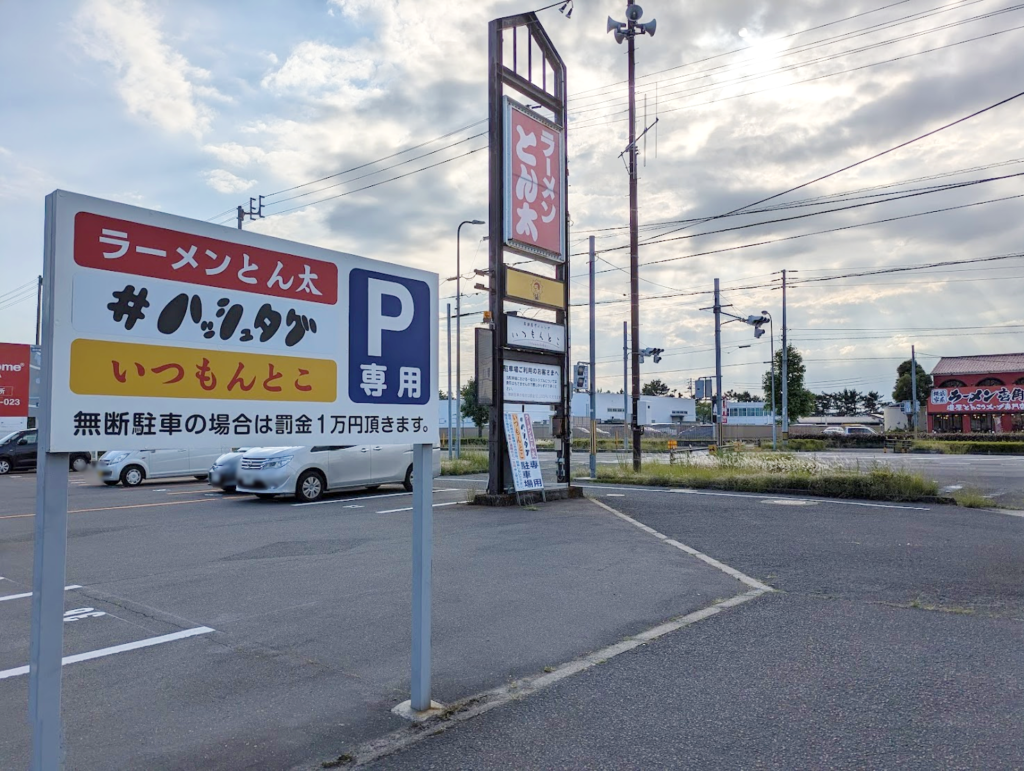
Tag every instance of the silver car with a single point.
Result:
(224, 471)
(309, 472)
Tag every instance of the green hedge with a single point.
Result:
(972, 448)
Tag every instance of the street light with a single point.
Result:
(771, 345)
(458, 332)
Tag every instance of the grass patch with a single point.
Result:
(969, 448)
(777, 473)
(474, 462)
(972, 499)
(806, 445)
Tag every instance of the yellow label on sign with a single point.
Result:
(128, 369)
(533, 289)
(672, 444)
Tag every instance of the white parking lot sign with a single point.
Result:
(161, 332)
(172, 333)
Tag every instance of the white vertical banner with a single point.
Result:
(522, 452)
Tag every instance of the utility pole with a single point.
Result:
(241, 217)
(634, 243)
(785, 367)
(449, 381)
(716, 414)
(913, 388)
(39, 310)
(628, 31)
(593, 364)
(625, 386)
(458, 331)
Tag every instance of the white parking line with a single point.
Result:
(29, 594)
(409, 508)
(743, 578)
(370, 497)
(89, 655)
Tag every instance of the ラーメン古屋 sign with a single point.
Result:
(534, 181)
(172, 333)
(998, 399)
(15, 378)
(522, 452)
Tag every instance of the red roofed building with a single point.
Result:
(977, 394)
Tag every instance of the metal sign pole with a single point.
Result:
(46, 648)
(422, 557)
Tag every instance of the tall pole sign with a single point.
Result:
(161, 332)
(528, 217)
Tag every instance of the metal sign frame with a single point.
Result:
(542, 82)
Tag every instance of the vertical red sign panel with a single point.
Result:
(14, 380)
(534, 184)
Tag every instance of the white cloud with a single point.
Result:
(318, 69)
(155, 81)
(225, 182)
(234, 154)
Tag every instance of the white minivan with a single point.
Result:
(309, 472)
(132, 467)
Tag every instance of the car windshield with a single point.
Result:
(9, 437)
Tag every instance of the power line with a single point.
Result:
(378, 171)
(816, 232)
(376, 184)
(893, 197)
(760, 72)
(598, 123)
(743, 48)
(378, 160)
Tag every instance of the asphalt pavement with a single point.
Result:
(892, 641)
(224, 632)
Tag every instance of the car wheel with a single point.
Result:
(228, 488)
(79, 463)
(132, 476)
(265, 496)
(110, 482)
(407, 484)
(310, 487)
(5, 466)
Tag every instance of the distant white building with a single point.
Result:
(748, 413)
(653, 409)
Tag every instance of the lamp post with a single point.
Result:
(458, 332)
(771, 346)
(628, 31)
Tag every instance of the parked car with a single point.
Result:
(18, 452)
(224, 471)
(132, 467)
(860, 431)
(849, 431)
(309, 472)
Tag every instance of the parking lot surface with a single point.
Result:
(220, 631)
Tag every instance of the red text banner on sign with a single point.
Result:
(14, 380)
(143, 250)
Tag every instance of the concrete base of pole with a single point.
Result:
(527, 499)
(418, 716)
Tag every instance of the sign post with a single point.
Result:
(162, 332)
(528, 216)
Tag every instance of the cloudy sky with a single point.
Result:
(191, 107)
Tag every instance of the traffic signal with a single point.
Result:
(582, 376)
(657, 354)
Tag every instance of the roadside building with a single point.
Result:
(977, 394)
